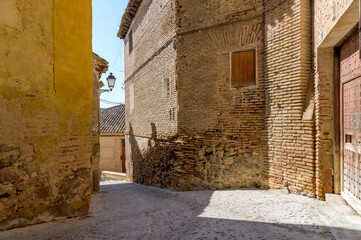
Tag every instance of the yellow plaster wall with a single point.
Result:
(73, 54)
(45, 110)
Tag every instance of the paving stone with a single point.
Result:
(129, 211)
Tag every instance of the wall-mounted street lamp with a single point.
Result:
(111, 82)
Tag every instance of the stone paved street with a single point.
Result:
(130, 211)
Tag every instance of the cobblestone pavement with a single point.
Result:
(131, 211)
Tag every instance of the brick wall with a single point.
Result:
(151, 113)
(153, 27)
(327, 14)
(289, 139)
(274, 134)
(327, 141)
(147, 66)
(220, 126)
(193, 16)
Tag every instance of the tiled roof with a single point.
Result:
(112, 120)
(128, 17)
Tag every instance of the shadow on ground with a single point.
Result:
(131, 211)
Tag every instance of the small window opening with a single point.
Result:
(166, 88)
(243, 68)
(348, 138)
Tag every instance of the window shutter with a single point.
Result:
(243, 68)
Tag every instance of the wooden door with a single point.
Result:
(350, 92)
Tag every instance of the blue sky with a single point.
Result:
(107, 15)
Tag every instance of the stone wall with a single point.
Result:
(219, 126)
(151, 61)
(277, 133)
(100, 66)
(45, 110)
(219, 129)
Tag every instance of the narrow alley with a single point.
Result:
(130, 211)
(226, 119)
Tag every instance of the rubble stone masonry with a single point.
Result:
(219, 126)
(45, 110)
(150, 113)
(274, 134)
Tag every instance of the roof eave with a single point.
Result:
(128, 16)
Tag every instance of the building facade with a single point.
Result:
(232, 94)
(45, 110)
(100, 66)
(112, 139)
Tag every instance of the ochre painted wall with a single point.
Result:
(45, 110)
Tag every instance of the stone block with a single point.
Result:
(218, 185)
(214, 160)
(228, 160)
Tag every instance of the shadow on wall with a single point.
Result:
(212, 162)
(288, 139)
(153, 165)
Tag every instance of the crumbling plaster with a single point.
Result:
(45, 110)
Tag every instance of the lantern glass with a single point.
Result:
(111, 81)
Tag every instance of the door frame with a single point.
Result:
(338, 113)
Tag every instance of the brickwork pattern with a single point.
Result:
(153, 113)
(289, 140)
(220, 126)
(204, 14)
(267, 135)
(154, 25)
(205, 117)
(152, 61)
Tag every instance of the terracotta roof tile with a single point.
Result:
(112, 120)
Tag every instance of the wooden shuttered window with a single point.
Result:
(243, 68)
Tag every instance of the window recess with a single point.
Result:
(243, 68)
